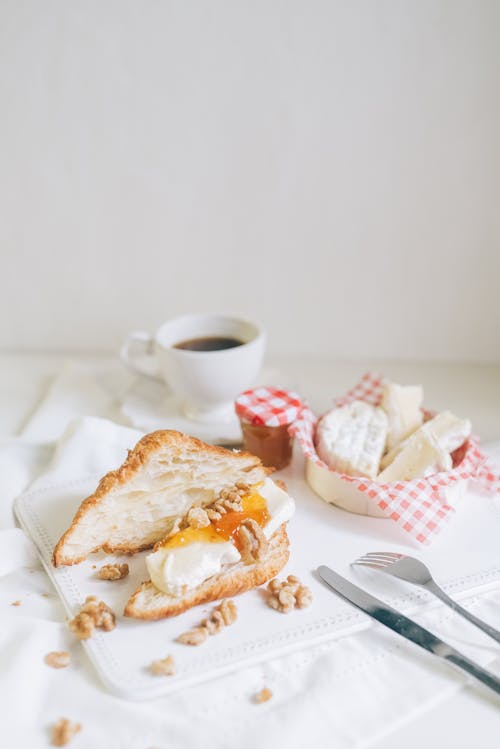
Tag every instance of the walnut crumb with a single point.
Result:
(57, 659)
(289, 594)
(63, 731)
(221, 616)
(15, 603)
(196, 636)
(198, 518)
(113, 572)
(93, 614)
(164, 667)
(263, 696)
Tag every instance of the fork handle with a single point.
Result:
(433, 587)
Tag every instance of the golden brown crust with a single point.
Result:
(136, 459)
(226, 585)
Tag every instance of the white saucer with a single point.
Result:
(148, 406)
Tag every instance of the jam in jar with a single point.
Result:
(265, 415)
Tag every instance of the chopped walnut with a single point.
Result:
(229, 611)
(113, 572)
(289, 594)
(303, 597)
(263, 696)
(195, 636)
(175, 527)
(222, 616)
(63, 731)
(214, 623)
(254, 544)
(82, 626)
(198, 518)
(213, 514)
(164, 667)
(93, 614)
(57, 659)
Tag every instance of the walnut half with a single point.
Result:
(289, 594)
(253, 543)
(113, 571)
(93, 614)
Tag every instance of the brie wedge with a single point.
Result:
(351, 439)
(447, 429)
(402, 405)
(421, 456)
(175, 569)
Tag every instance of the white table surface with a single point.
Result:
(470, 390)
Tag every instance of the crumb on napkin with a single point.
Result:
(63, 731)
(263, 696)
(58, 659)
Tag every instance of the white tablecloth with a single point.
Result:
(345, 693)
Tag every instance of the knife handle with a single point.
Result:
(471, 668)
(487, 628)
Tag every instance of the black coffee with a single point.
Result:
(209, 343)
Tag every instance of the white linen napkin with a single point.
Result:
(344, 693)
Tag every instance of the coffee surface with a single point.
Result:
(209, 343)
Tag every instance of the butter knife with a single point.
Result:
(405, 627)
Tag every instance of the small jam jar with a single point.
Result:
(265, 415)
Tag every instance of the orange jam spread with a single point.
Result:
(190, 535)
(226, 528)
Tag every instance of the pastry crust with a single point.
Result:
(75, 545)
(149, 603)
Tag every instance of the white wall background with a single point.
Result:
(330, 168)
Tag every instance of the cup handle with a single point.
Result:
(145, 341)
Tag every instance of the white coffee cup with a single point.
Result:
(206, 382)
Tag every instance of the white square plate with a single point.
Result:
(463, 558)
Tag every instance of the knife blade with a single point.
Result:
(405, 627)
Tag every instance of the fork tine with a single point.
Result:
(390, 554)
(376, 558)
(363, 563)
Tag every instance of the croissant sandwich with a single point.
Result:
(214, 519)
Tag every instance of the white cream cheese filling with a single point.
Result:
(175, 570)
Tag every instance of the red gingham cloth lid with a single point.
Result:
(268, 406)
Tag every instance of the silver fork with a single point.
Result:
(413, 571)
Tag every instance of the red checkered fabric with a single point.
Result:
(417, 506)
(268, 406)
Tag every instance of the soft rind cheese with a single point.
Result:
(351, 439)
(402, 404)
(421, 456)
(448, 430)
(175, 570)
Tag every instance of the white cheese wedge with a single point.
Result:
(181, 568)
(449, 431)
(351, 439)
(174, 570)
(402, 405)
(421, 456)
